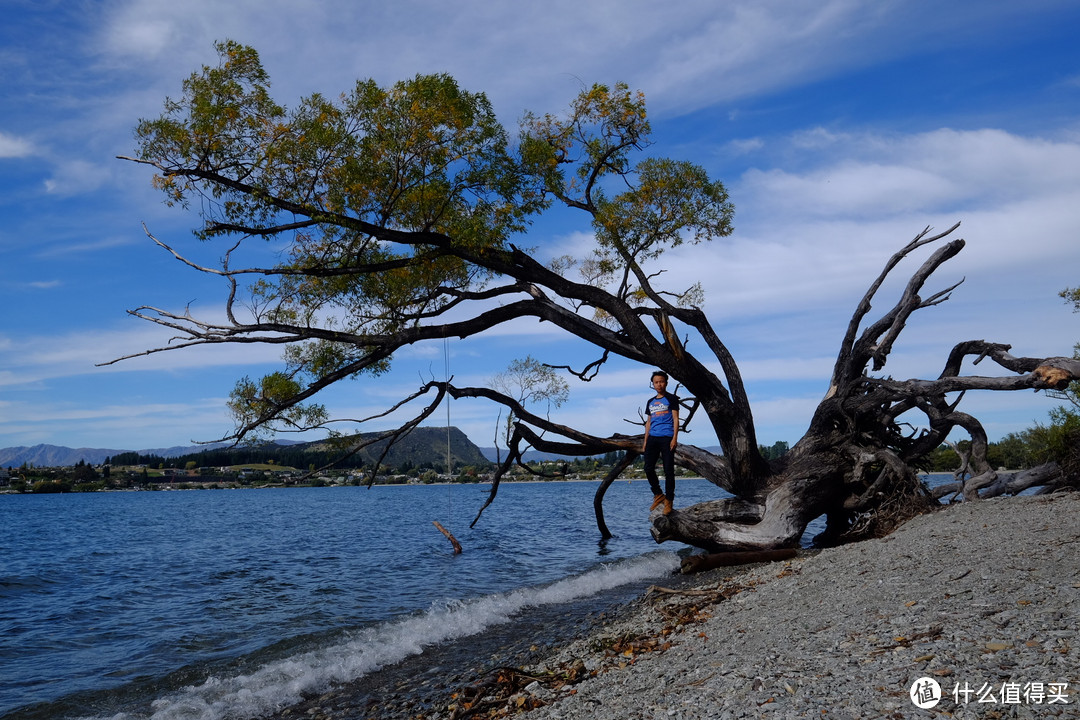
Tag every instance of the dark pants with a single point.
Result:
(656, 447)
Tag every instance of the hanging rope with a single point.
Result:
(449, 467)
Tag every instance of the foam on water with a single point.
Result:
(284, 682)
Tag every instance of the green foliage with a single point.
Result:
(659, 203)
(672, 200)
(268, 405)
(776, 451)
(1060, 440)
(1071, 296)
(1014, 451)
(50, 486)
(594, 141)
(530, 382)
(224, 111)
(422, 156)
(425, 447)
(84, 473)
(943, 459)
(391, 205)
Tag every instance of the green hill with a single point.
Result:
(423, 447)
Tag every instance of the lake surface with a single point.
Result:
(215, 604)
(234, 603)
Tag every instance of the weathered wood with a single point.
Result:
(731, 526)
(451, 538)
(598, 499)
(1048, 476)
(855, 462)
(699, 563)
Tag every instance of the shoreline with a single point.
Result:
(982, 598)
(190, 484)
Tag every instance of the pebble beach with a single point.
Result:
(970, 611)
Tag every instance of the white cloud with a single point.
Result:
(745, 146)
(74, 177)
(90, 246)
(12, 146)
(687, 56)
(875, 176)
(852, 189)
(34, 359)
(127, 426)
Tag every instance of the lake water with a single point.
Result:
(233, 603)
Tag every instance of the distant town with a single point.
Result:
(187, 475)
(425, 457)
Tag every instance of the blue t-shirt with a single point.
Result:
(660, 419)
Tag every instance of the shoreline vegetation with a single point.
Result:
(979, 597)
(420, 460)
(84, 477)
(159, 482)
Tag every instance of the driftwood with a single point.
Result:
(699, 563)
(1048, 477)
(451, 538)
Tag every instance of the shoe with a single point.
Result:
(657, 501)
(667, 507)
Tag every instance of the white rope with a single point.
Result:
(449, 469)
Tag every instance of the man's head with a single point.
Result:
(660, 381)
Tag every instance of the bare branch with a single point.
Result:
(854, 356)
(591, 370)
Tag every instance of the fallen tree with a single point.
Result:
(394, 212)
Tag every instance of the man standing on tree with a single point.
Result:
(661, 437)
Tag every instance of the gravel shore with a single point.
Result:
(981, 598)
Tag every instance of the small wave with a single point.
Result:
(284, 682)
(13, 585)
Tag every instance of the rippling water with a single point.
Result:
(215, 604)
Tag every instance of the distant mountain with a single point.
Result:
(52, 456)
(60, 456)
(181, 450)
(423, 445)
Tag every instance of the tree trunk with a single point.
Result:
(354, 285)
(700, 563)
(807, 487)
(855, 465)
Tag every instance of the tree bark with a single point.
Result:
(449, 536)
(1048, 477)
(700, 563)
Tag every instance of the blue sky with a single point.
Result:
(841, 128)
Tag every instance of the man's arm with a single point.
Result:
(674, 423)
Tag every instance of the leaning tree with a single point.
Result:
(398, 212)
